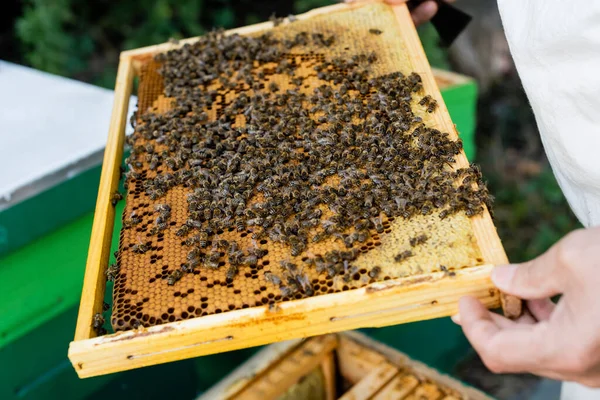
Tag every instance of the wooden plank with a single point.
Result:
(445, 79)
(425, 391)
(247, 372)
(420, 370)
(398, 388)
(281, 376)
(94, 282)
(328, 368)
(379, 304)
(356, 361)
(369, 385)
(483, 227)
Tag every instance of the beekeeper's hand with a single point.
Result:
(559, 341)
(424, 12)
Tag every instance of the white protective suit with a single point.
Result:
(556, 48)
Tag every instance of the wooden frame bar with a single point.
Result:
(378, 304)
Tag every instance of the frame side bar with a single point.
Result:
(104, 215)
(483, 227)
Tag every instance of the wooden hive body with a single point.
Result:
(339, 366)
(204, 312)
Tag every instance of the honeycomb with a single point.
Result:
(141, 293)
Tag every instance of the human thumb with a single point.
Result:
(537, 279)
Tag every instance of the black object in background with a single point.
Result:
(449, 21)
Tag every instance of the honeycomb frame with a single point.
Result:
(410, 298)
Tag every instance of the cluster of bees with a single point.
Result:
(303, 166)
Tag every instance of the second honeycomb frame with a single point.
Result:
(378, 304)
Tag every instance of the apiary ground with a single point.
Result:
(142, 295)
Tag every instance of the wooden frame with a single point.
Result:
(378, 304)
(374, 370)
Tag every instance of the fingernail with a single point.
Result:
(502, 275)
(456, 319)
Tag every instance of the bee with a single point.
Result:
(297, 248)
(288, 291)
(258, 252)
(140, 248)
(318, 237)
(111, 272)
(432, 106)
(272, 278)
(378, 224)
(417, 240)
(133, 220)
(154, 161)
(349, 240)
(98, 321)
(276, 20)
(183, 230)
(236, 257)
(445, 270)
(250, 260)
(202, 239)
(374, 272)
(349, 255)
(259, 234)
(222, 244)
(174, 276)
(240, 224)
(105, 306)
(362, 236)
(232, 271)
(193, 223)
(212, 264)
(403, 256)
(162, 208)
(193, 254)
(115, 198)
(288, 266)
(425, 100)
(158, 228)
(332, 257)
(362, 224)
(304, 284)
(192, 240)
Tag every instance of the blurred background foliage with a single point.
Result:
(82, 40)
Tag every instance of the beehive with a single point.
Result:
(346, 366)
(454, 260)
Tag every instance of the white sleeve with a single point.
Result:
(556, 48)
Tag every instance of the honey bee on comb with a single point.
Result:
(115, 198)
(98, 324)
(273, 150)
(174, 277)
(403, 255)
